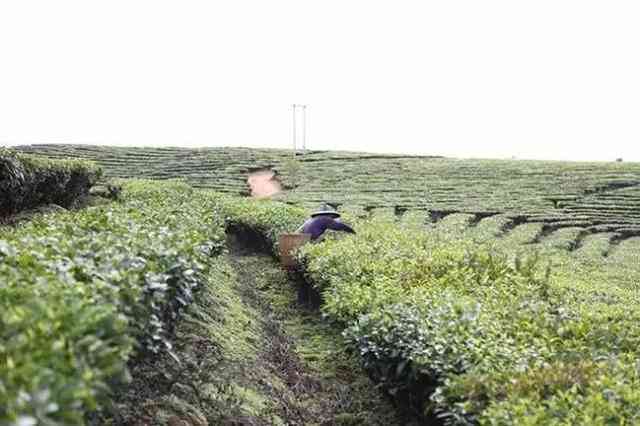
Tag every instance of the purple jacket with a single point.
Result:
(317, 225)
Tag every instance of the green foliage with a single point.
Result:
(83, 292)
(27, 181)
(291, 169)
(269, 218)
(461, 317)
(473, 333)
(600, 197)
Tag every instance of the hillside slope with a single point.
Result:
(589, 198)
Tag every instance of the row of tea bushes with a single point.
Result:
(472, 333)
(270, 219)
(28, 181)
(83, 292)
(454, 329)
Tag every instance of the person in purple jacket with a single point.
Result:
(321, 220)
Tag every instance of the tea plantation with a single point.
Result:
(475, 292)
(595, 197)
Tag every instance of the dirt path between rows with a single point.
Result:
(264, 183)
(311, 379)
(249, 354)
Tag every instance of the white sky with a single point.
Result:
(546, 79)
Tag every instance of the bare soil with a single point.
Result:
(264, 183)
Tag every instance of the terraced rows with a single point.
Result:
(542, 199)
(606, 257)
(221, 169)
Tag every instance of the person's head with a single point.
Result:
(326, 210)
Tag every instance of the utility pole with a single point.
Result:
(303, 111)
(304, 129)
(294, 130)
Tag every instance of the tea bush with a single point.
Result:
(466, 312)
(597, 197)
(27, 181)
(473, 333)
(269, 218)
(83, 292)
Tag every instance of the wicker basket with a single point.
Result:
(288, 243)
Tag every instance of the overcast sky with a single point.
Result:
(531, 79)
